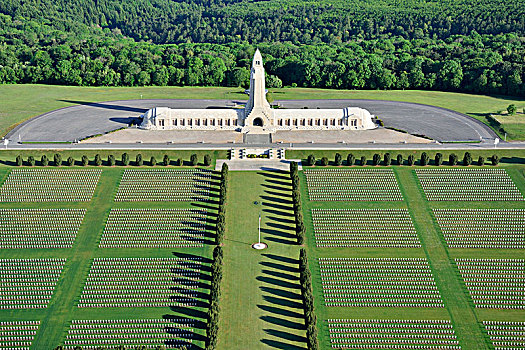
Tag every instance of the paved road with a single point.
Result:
(79, 121)
(296, 146)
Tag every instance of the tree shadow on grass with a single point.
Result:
(192, 314)
(277, 212)
(282, 275)
(276, 174)
(279, 266)
(278, 199)
(273, 233)
(286, 336)
(282, 293)
(282, 259)
(283, 302)
(270, 203)
(282, 312)
(282, 322)
(280, 345)
(277, 188)
(278, 282)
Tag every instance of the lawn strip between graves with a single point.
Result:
(261, 304)
(461, 313)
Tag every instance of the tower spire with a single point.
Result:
(257, 98)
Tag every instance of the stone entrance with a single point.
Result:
(258, 122)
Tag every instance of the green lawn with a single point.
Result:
(261, 304)
(55, 319)
(44, 98)
(458, 306)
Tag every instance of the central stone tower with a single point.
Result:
(258, 112)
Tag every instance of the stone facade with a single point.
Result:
(257, 115)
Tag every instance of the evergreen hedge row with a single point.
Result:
(212, 326)
(310, 318)
(222, 207)
(411, 160)
(297, 207)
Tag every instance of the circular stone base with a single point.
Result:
(259, 246)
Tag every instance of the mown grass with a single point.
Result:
(21, 102)
(55, 319)
(458, 306)
(261, 303)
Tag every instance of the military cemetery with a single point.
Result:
(297, 187)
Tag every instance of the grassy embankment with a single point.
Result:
(21, 102)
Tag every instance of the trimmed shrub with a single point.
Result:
(411, 160)
(467, 159)
(19, 161)
(399, 159)
(452, 159)
(70, 161)
(363, 160)
(376, 159)
(98, 160)
(138, 160)
(350, 159)
(111, 160)
(481, 161)
(44, 161)
(494, 160)
(338, 159)
(153, 161)
(194, 160)
(324, 161)
(310, 161)
(207, 160)
(166, 160)
(125, 159)
(511, 109)
(387, 159)
(424, 159)
(438, 159)
(85, 160)
(31, 161)
(57, 159)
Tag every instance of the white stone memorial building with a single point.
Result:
(257, 116)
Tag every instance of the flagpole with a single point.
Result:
(259, 228)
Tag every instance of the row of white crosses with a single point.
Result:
(494, 283)
(392, 334)
(378, 282)
(28, 283)
(482, 228)
(506, 334)
(49, 185)
(90, 334)
(352, 185)
(468, 184)
(39, 228)
(141, 282)
(164, 185)
(364, 228)
(17, 334)
(154, 228)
